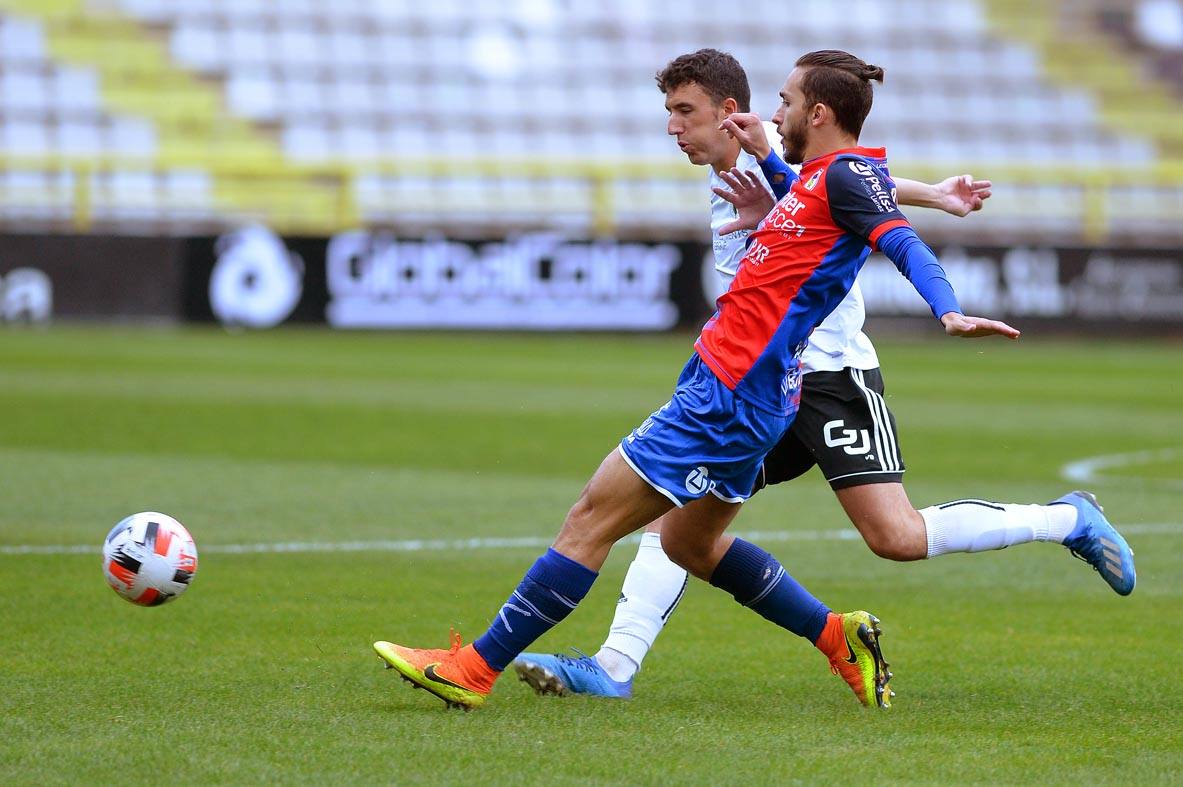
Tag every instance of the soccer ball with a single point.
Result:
(149, 558)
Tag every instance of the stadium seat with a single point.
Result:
(79, 139)
(306, 141)
(76, 89)
(21, 41)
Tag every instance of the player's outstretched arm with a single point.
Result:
(878, 221)
(751, 200)
(959, 195)
(917, 262)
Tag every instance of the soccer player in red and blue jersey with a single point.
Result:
(702, 450)
(708, 98)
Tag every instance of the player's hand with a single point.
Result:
(975, 327)
(962, 195)
(748, 130)
(751, 200)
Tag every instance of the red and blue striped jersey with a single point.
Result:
(801, 262)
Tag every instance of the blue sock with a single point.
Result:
(757, 580)
(549, 591)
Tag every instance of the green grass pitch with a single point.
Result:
(1012, 666)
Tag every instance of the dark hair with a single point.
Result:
(842, 82)
(719, 75)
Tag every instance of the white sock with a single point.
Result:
(980, 525)
(651, 590)
(618, 666)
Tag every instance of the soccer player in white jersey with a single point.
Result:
(844, 425)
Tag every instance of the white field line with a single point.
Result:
(1089, 470)
(479, 544)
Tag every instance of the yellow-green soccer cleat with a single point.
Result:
(444, 673)
(862, 665)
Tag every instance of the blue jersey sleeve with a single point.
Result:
(780, 176)
(862, 199)
(917, 262)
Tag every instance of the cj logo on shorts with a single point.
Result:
(697, 481)
(848, 439)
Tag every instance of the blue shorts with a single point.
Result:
(704, 439)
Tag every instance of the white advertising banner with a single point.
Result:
(531, 282)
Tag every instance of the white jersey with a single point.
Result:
(839, 340)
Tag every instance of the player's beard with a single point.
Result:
(796, 142)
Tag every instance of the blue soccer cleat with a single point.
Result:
(556, 673)
(1097, 543)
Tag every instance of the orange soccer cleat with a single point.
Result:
(459, 676)
(851, 642)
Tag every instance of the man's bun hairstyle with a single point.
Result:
(842, 82)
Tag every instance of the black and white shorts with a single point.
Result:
(844, 427)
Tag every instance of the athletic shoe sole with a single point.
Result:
(542, 680)
(869, 636)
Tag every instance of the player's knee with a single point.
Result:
(686, 553)
(674, 548)
(895, 540)
(584, 526)
(582, 513)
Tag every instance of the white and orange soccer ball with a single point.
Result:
(149, 558)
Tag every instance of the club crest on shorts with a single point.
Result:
(698, 481)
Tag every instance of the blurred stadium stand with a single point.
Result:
(175, 116)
